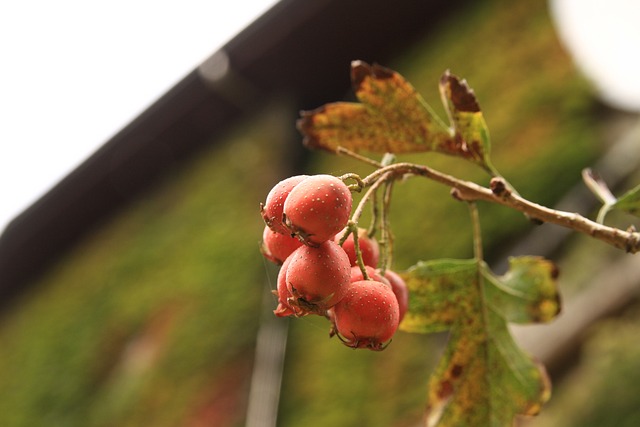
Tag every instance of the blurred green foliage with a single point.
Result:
(152, 319)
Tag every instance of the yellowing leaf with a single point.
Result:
(527, 293)
(484, 378)
(392, 117)
(437, 294)
(471, 135)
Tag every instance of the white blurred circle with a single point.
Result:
(604, 39)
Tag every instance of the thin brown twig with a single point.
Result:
(499, 192)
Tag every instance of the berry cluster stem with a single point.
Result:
(386, 241)
(357, 213)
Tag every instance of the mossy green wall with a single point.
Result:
(152, 319)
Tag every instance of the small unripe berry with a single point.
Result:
(367, 316)
(277, 247)
(318, 208)
(368, 247)
(272, 208)
(317, 278)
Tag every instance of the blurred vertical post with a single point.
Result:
(266, 380)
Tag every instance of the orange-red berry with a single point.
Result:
(317, 209)
(367, 316)
(317, 277)
(400, 290)
(369, 247)
(277, 247)
(272, 208)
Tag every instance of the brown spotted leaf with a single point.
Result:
(392, 117)
(484, 378)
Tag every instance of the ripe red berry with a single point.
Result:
(317, 278)
(318, 208)
(368, 247)
(271, 210)
(400, 290)
(277, 247)
(367, 316)
(284, 296)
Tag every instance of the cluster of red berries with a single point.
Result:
(304, 217)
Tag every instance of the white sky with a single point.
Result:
(73, 73)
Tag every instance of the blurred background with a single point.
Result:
(133, 290)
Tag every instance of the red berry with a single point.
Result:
(368, 248)
(277, 247)
(271, 210)
(317, 278)
(356, 275)
(367, 316)
(284, 296)
(318, 208)
(400, 290)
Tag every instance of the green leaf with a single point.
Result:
(392, 117)
(527, 293)
(484, 378)
(629, 202)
